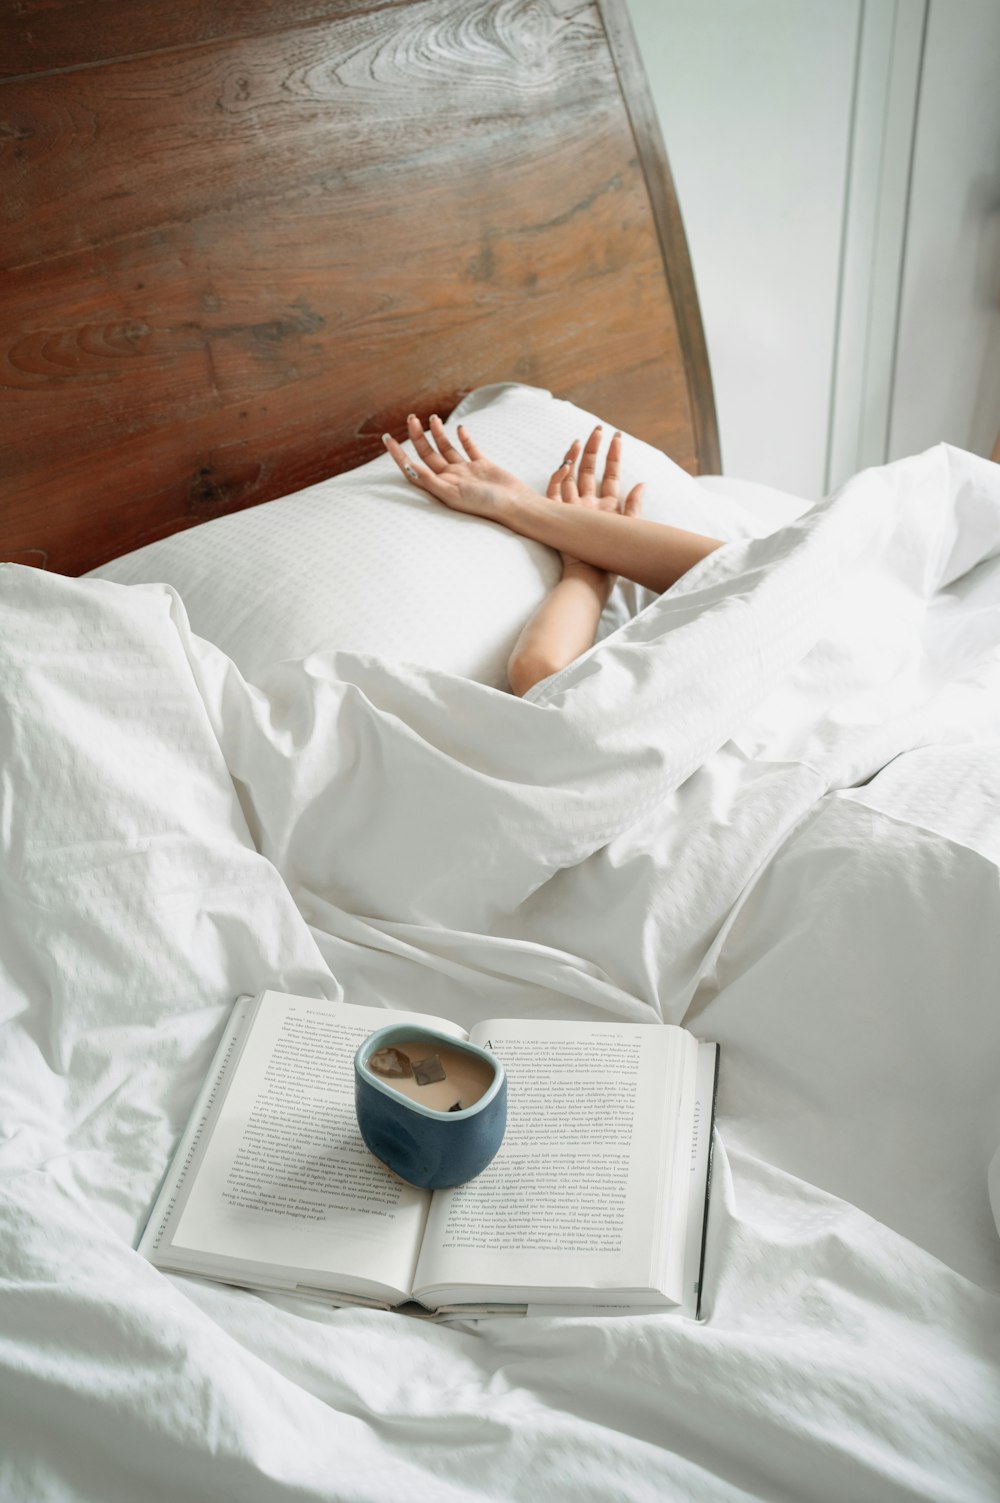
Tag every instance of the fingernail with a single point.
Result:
(385, 438)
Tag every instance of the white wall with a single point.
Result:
(754, 102)
(947, 377)
(837, 171)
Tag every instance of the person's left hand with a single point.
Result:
(468, 482)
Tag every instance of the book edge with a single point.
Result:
(708, 1183)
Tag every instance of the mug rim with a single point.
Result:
(393, 1031)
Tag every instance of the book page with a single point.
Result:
(285, 1179)
(575, 1197)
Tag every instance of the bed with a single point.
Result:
(255, 731)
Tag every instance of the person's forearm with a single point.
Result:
(563, 627)
(652, 554)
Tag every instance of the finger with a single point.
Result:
(444, 443)
(572, 454)
(565, 470)
(467, 443)
(553, 489)
(588, 464)
(418, 438)
(633, 501)
(417, 474)
(568, 489)
(612, 468)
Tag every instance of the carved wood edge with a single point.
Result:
(677, 267)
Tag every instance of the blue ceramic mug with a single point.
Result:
(423, 1145)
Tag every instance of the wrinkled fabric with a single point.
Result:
(767, 807)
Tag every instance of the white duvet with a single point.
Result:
(769, 807)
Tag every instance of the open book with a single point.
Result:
(597, 1198)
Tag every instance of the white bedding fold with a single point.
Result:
(651, 779)
(733, 809)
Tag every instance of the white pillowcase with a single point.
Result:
(363, 562)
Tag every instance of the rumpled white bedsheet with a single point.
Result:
(768, 807)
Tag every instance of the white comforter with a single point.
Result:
(769, 807)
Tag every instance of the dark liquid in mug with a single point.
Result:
(436, 1075)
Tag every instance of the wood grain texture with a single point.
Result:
(231, 262)
(47, 36)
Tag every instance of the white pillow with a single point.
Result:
(772, 507)
(363, 562)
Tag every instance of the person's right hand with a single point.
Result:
(580, 488)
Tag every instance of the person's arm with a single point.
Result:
(652, 554)
(565, 624)
(562, 628)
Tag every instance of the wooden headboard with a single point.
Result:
(239, 239)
